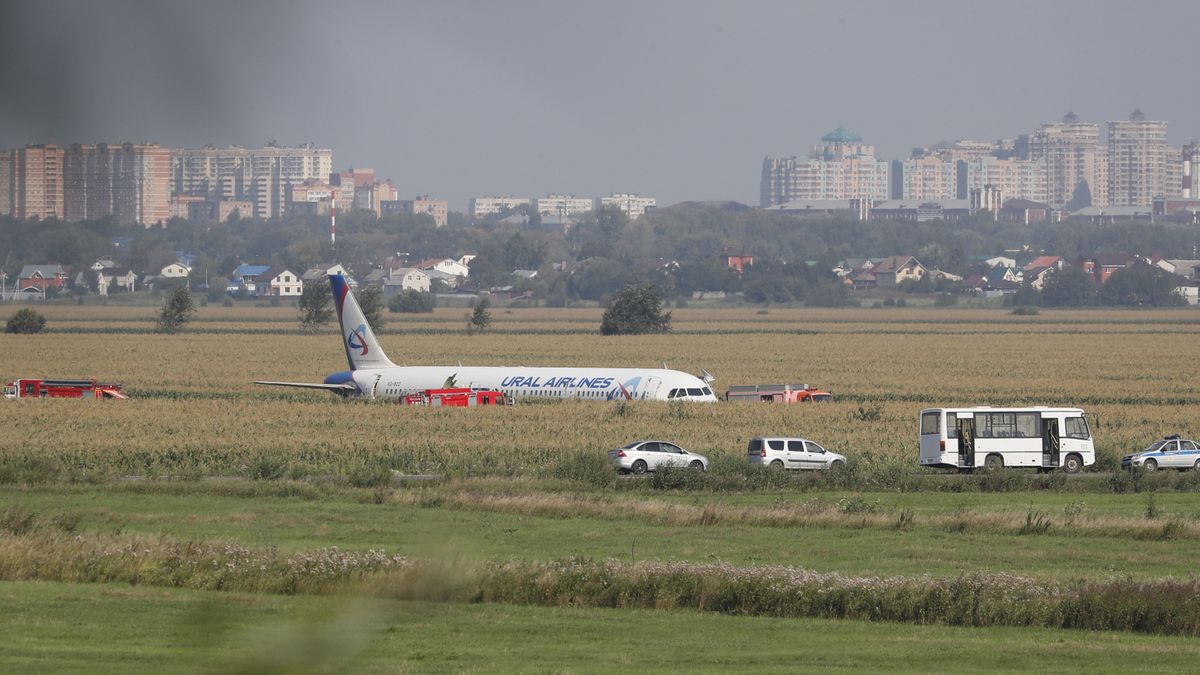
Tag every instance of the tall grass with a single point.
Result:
(1166, 606)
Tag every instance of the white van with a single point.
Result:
(791, 453)
(1041, 437)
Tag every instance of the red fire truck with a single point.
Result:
(39, 388)
(459, 397)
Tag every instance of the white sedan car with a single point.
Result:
(639, 457)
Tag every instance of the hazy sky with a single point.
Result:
(673, 99)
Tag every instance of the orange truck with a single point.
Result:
(778, 393)
(457, 397)
(39, 388)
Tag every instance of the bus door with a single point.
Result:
(966, 442)
(1051, 443)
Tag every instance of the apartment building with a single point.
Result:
(841, 167)
(563, 206)
(438, 209)
(1138, 161)
(486, 206)
(32, 182)
(262, 176)
(127, 181)
(1076, 162)
(633, 205)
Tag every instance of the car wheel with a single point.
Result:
(1072, 464)
(696, 464)
(837, 465)
(1197, 466)
(639, 467)
(776, 465)
(993, 463)
(1150, 465)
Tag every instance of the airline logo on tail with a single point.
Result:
(355, 339)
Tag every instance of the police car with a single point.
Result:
(1172, 452)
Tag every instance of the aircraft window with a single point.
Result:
(707, 391)
(692, 391)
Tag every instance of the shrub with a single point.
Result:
(177, 311)
(678, 478)
(588, 468)
(412, 301)
(25, 320)
(635, 310)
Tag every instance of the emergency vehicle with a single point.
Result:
(778, 393)
(457, 397)
(39, 388)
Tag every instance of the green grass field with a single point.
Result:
(201, 460)
(51, 627)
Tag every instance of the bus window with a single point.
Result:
(1077, 428)
(1028, 425)
(929, 423)
(951, 425)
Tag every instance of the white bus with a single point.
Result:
(1046, 438)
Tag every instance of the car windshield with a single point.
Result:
(1154, 446)
(631, 445)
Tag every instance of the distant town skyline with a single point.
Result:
(678, 100)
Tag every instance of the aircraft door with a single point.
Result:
(966, 442)
(651, 388)
(1051, 444)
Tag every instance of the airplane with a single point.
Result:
(372, 374)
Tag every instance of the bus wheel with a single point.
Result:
(993, 463)
(1072, 464)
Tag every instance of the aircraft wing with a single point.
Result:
(336, 388)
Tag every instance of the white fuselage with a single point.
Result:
(518, 382)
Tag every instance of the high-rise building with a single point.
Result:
(634, 206)
(1074, 161)
(262, 176)
(926, 177)
(34, 182)
(6, 183)
(130, 182)
(1138, 158)
(486, 206)
(1014, 178)
(841, 167)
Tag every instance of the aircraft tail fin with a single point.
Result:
(362, 349)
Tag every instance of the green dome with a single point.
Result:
(841, 135)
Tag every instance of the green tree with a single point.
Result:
(480, 318)
(1068, 287)
(636, 309)
(1141, 285)
(370, 301)
(25, 320)
(177, 311)
(316, 306)
(412, 301)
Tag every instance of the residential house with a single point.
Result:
(447, 265)
(1054, 261)
(102, 265)
(278, 282)
(861, 278)
(174, 271)
(1184, 268)
(405, 279)
(118, 279)
(737, 262)
(41, 278)
(898, 269)
(245, 278)
(1189, 289)
(1009, 274)
(942, 275)
(1102, 265)
(1037, 276)
(319, 274)
(525, 274)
